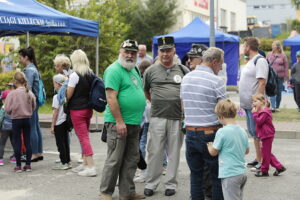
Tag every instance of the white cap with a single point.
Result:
(59, 78)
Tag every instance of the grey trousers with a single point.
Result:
(163, 134)
(4, 135)
(233, 187)
(121, 162)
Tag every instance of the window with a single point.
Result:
(233, 21)
(223, 17)
(256, 7)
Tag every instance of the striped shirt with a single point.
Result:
(200, 91)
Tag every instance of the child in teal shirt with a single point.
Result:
(231, 143)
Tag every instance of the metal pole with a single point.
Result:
(212, 38)
(27, 38)
(217, 14)
(97, 56)
(97, 73)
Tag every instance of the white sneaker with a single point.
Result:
(88, 171)
(79, 161)
(141, 178)
(137, 173)
(79, 168)
(57, 161)
(69, 165)
(256, 167)
(60, 166)
(164, 172)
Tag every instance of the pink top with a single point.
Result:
(264, 126)
(280, 65)
(20, 104)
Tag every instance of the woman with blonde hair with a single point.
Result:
(279, 63)
(78, 102)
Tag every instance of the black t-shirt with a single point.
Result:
(80, 98)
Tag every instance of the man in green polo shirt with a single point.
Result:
(122, 117)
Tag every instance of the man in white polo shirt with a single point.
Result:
(252, 81)
(201, 90)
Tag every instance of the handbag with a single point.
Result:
(104, 133)
(68, 118)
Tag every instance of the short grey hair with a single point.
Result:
(142, 46)
(62, 60)
(213, 53)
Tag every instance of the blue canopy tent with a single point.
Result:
(294, 42)
(198, 32)
(19, 17)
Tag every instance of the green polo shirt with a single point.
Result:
(131, 95)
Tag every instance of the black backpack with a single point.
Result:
(97, 98)
(271, 85)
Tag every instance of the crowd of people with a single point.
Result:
(152, 105)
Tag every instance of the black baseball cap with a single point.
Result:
(130, 45)
(166, 42)
(197, 50)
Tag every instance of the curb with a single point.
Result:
(279, 134)
(93, 127)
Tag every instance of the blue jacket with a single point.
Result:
(7, 122)
(33, 78)
(61, 95)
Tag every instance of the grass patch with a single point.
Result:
(285, 115)
(46, 108)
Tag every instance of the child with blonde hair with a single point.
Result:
(231, 143)
(20, 104)
(265, 132)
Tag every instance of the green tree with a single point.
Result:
(112, 32)
(296, 3)
(56, 4)
(150, 18)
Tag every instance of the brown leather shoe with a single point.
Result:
(105, 196)
(133, 197)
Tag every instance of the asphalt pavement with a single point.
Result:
(43, 183)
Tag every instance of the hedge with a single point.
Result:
(7, 77)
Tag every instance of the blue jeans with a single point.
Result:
(143, 143)
(197, 156)
(143, 139)
(275, 100)
(35, 133)
(250, 123)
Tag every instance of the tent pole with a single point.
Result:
(212, 37)
(97, 71)
(27, 38)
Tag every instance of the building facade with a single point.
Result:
(270, 12)
(230, 15)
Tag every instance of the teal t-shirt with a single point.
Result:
(232, 142)
(131, 95)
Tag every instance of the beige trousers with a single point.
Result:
(163, 134)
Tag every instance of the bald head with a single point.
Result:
(142, 50)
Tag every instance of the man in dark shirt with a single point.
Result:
(162, 87)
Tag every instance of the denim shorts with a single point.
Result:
(250, 123)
